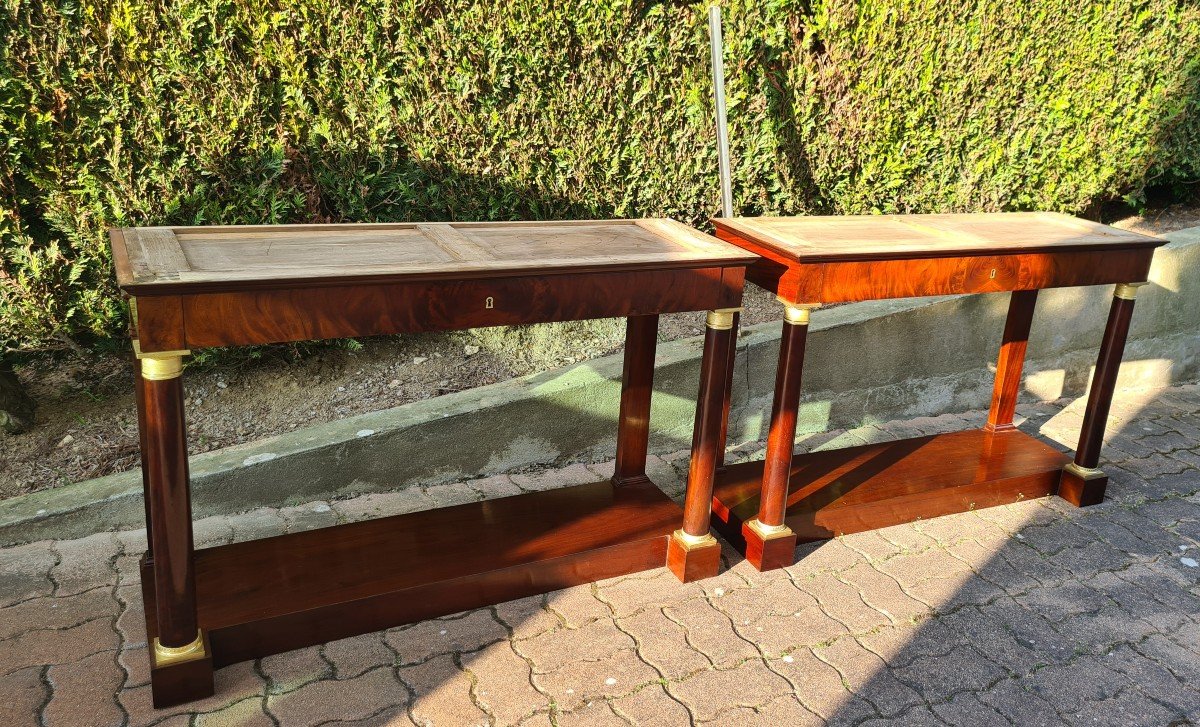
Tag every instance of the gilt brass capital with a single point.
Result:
(170, 655)
(1127, 291)
(721, 319)
(797, 314)
(160, 365)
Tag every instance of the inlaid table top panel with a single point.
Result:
(890, 237)
(189, 259)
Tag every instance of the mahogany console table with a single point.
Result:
(766, 507)
(192, 287)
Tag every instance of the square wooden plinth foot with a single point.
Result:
(177, 682)
(769, 548)
(1081, 486)
(692, 558)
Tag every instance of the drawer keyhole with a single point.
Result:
(489, 303)
(993, 273)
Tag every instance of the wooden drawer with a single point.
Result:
(290, 314)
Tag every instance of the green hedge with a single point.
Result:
(129, 112)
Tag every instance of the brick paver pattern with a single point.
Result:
(1034, 613)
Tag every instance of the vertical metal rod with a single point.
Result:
(718, 72)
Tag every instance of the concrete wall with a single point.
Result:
(870, 361)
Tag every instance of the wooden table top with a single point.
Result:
(169, 260)
(891, 237)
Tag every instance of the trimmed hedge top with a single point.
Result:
(229, 111)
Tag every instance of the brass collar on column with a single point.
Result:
(691, 542)
(1127, 291)
(721, 319)
(160, 365)
(797, 314)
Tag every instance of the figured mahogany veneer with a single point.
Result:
(872, 486)
(195, 287)
(811, 261)
(272, 595)
(223, 286)
(840, 259)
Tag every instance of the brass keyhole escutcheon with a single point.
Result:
(489, 303)
(993, 276)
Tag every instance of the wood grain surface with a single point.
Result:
(173, 260)
(876, 485)
(883, 237)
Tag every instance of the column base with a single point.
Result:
(767, 547)
(692, 558)
(1082, 486)
(179, 680)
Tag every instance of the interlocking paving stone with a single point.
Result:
(84, 564)
(867, 676)
(502, 684)
(57, 646)
(710, 632)
(328, 699)
(25, 572)
(441, 693)
(24, 694)
(652, 707)
(1035, 613)
(55, 613)
(420, 641)
(711, 692)
(293, 669)
(575, 682)
(85, 687)
(246, 713)
(356, 655)
(663, 643)
(577, 606)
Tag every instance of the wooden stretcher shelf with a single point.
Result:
(872, 486)
(272, 595)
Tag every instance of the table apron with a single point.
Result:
(299, 314)
(838, 282)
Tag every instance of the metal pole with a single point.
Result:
(718, 72)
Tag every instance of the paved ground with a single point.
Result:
(1034, 613)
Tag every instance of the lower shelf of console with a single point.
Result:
(876, 485)
(272, 595)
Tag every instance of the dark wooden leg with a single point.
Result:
(724, 440)
(693, 553)
(1011, 360)
(1082, 483)
(769, 542)
(637, 386)
(139, 397)
(181, 661)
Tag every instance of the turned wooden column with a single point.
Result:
(139, 398)
(637, 387)
(165, 467)
(769, 542)
(725, 405)
(693, 553)
(1011, 360)
(1082, 483)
